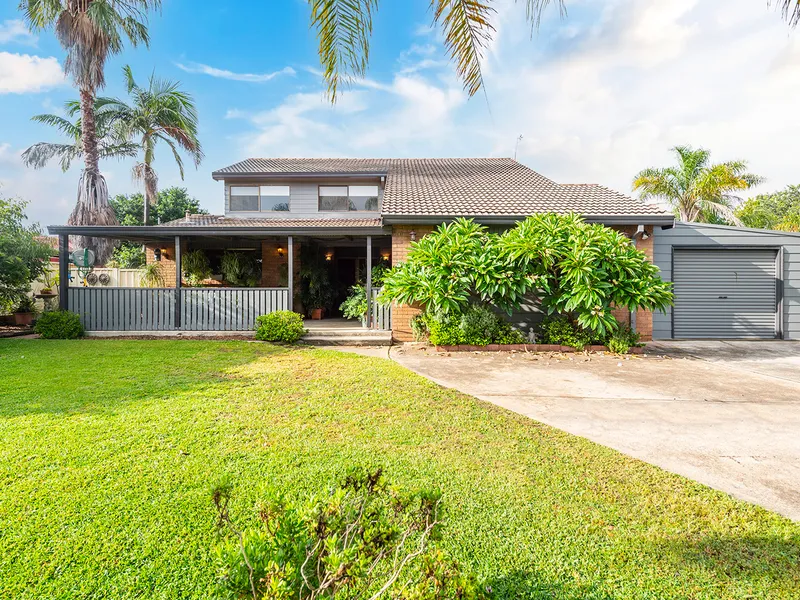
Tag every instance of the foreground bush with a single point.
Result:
(476, 326)
(59, 325)
(280, 326)
(365, 539)
(574, 268)
(622, 340)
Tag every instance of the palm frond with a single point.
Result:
(69, 129)
(723, 211)
(790, 9)
(535, 8)
(343, 29)
(467, 31)
(38, 155)
(658, 183)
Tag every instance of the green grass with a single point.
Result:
(108, 450)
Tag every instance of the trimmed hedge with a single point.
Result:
(59, 325)
(280, 326)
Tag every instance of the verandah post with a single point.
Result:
(63, 272)
(290, 271)
(178, 270)
(369, 282)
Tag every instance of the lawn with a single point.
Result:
(109, 450)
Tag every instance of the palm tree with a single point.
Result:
(90, 31)
(696, 189)
(790, 10)
(161, 112)
(344, 28)
(109, 143)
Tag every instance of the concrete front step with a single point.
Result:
(383, 338)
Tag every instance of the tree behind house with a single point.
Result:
(172, 204)
(780, 210)
(91, 32)
(696, 189)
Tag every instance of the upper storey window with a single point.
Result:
(264, 198)
(348, 197)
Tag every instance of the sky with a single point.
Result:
(596, 96)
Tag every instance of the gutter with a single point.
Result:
(159, 231)
(664, 220)
(221, 176)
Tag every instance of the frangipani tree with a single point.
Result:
(574, 268)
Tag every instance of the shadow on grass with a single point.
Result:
(528, 585)
(79, 376)
(744, 558)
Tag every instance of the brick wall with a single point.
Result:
(167, 264)
(402, 314)
(273, 264)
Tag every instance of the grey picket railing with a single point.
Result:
(124, 308)
(229, 309)
(381, 313)
(153, 309)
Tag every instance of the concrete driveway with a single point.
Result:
(724, 414)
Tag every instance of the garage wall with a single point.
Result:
(720, 236)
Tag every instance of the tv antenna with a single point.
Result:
(516, 146)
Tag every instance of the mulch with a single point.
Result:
(7, 331)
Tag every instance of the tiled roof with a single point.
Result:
(461, 186)
(279, 223)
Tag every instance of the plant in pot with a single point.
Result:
(49, 280)
(196, 268)
(240, 269)
(316, 292)
(25, 311)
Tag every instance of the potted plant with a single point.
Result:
(49, 280)
(317, 291)
(24, 311)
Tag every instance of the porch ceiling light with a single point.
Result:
(280, 251)
(385, 256)
(329, 256)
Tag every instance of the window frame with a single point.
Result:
(260, 196)
(348, 186)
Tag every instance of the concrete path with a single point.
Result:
(731, 420)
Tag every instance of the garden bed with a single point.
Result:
(529, 348)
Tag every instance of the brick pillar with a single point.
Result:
(644, 318)
(401, 313)
(167, 263)
(272, 264)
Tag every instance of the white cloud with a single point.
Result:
(225, 74)
(15, 30)
(21, 73)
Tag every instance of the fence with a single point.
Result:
(381, 313)
(229, 309)
(124, 309)
(153, 309)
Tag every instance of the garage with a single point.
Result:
(725, 293)
(729, 282)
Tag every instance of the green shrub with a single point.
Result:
(478, 325)
(445, 330)
(506, 334)
(363, 539)
(419, 327)
(59, 325)
(622, 340)
(355, 305)
(240, 269)
(563, 332)
(280, 326)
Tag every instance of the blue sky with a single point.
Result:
(596, 96)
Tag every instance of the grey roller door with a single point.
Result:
(729, 293)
